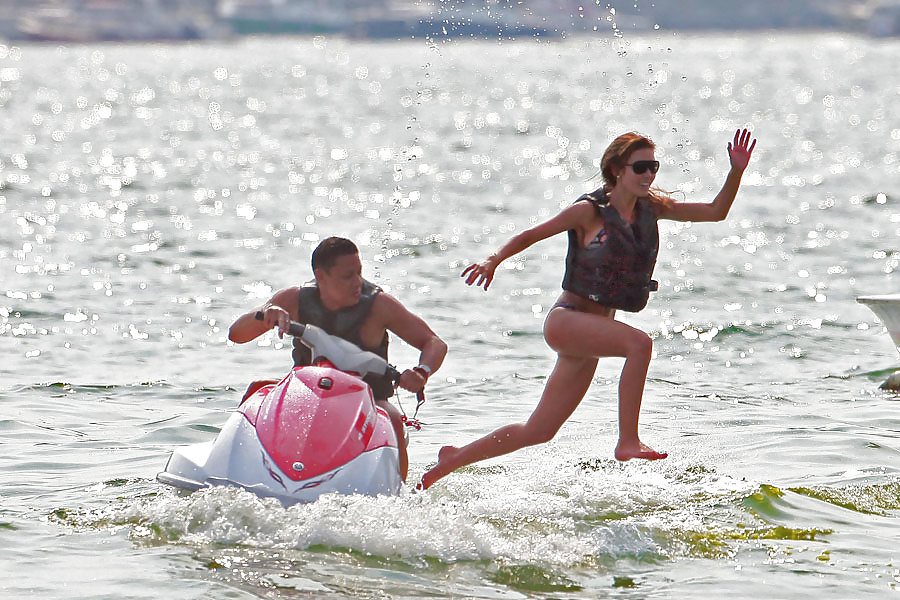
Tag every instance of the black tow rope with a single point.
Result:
(420, 400)
(414, 422)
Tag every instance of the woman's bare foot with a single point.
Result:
(441, 469)
(628, 450)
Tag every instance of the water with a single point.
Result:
(153, 193)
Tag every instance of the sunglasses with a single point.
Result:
(639, 166)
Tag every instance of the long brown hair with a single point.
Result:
(618, 154)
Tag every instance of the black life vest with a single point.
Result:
(615, 270)
(344, 323)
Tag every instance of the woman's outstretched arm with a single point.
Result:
(572, 217)
(739, 153)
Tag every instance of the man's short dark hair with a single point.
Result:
(329, 250)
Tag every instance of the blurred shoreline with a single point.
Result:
(87, 21)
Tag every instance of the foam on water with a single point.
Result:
(539, 525)
(590, 513)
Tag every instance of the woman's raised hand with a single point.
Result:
(480, 274)
(741, 149)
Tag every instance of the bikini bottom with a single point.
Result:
(564, 305)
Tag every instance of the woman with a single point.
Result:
(613, 242)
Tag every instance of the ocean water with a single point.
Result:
(149, 194)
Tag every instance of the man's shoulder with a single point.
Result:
(386, 306)
(383, 300)
(287, 298)
(294, 290)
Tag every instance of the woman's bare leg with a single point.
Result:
(579, 339)
(566, 386)
(592, 335)
(631, 391)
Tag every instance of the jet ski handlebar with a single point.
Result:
(295, 330)
(374, 363)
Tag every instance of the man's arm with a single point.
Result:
(415, 332)
(279, 311)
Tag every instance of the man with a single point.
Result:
(342, 303)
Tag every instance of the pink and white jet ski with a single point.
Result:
(314, 432)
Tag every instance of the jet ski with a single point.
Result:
(316, 431)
